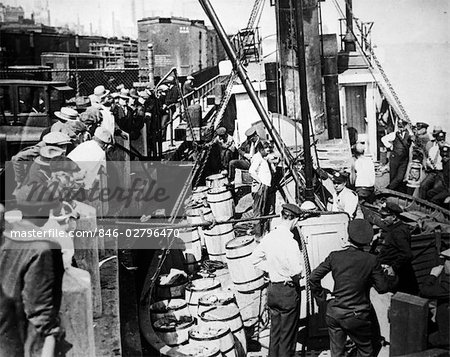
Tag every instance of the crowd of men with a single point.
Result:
(419, 163)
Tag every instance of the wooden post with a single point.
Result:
(76, 313)
(86, 251)
(409, 322)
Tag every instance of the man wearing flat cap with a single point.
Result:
(246, 152)
(421, 137)
(395, 253)
(345, 200)
(399, 142)
(437, 286)
(226, 146)
(279, 255)
(354, 273)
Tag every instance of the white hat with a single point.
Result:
(100, 91)
(445, 254)
(103, 135)
(308, 205)
(67, 113)
(190, 77)
(124, 94)
(56, 138)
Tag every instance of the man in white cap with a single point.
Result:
(23, 160)
(246, 151)
(278, 254)
(91, 155)
(437, 286)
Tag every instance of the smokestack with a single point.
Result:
(349, 39)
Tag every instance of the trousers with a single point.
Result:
(356, 326)
(397, 170)
(284, 306)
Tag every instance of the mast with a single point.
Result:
(239, 68)
(304, 107)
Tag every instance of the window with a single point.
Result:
(5, 101)
(31, 100)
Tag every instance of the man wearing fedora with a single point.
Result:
(125, 116)
(23, 160)
(39, 173)
(354, 271)
(152, 112)
(100, 93)
(279, 255)
(437, 286)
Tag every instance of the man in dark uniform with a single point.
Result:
(437, 286)
(279, 255)
(399, 142)
(354, 272)
(395, 253)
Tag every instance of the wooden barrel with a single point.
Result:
(216, 239)
(245, 276)
(211, 335)
(194, 216)
(192, 249)
(196, 289)
(199, 194)
(199, 351)
(216, 181)
(175, 308)
(253, 306)
(173, 332)
(228, 315)
(221, 203)
(217, 298)
(171, 291)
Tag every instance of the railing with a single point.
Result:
(201, 93)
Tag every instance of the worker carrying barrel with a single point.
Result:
(278, 254)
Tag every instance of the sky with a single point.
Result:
(411, 36)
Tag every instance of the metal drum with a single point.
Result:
(175, 308)
(192, 249)
(173, 332)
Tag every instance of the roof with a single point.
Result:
(69, 54)
(26, 81)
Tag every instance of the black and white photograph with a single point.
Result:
(224, 178)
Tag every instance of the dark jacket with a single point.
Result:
(31, 274)
(354, 272)
(128, 121)
(400, 146)
(396, 252)
(439, 288)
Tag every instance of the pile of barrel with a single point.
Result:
(201, 313)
